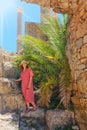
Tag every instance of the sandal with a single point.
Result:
(34, 109)
(27, 110)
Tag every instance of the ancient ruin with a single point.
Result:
(76, 50)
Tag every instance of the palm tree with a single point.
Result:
(56, 32)
(48, 59)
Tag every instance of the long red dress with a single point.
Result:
(27, 93)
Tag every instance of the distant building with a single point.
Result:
(33, 30)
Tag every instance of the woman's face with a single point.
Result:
(24, 65)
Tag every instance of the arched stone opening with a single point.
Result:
(75, 50)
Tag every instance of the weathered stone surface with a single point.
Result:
(10, 96)
(82, 29)
(84, 51)
(81, 67)
(7, 86)
(38, 114)
(83, 103)
(4, 57)
(75, 127)
(85, 39)
(8, 70)
(82, 83)
(9, 121)
(83, 60)
(76, 49)
(1, 104)
(79, 42)
(13, 102)
(81, 117)
(58, 118)
(4, 86)
(60, 5)
(43, 3)
(63, 6)
(42, 120)
(33, 120)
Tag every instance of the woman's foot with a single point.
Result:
(27, 110)
(35, 108)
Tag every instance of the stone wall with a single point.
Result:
(3, 57)
(77, 55)
(76, 50)
(6, 67)
(10, 96)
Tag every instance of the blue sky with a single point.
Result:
(8, 21)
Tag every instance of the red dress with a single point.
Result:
(27, 93)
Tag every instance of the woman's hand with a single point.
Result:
(17, 80)
(28, 87)
(14, 80)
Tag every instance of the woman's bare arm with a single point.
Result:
(17, 80)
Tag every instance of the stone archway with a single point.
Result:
(76, 50)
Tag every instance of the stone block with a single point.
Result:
(9, 103)
(83, 103)
(85, 39)
(83, 60)
(9, 121)
(13, 102)
(81, 67)
(19, 101)
(8, 70)
(1, 104)
(82, 29)
(7, 86)
(38, 114)
(84, 51)
(4, 86)
(81, 117)
(82, 83)
(58, 118)
(33, 120)
(79, 43)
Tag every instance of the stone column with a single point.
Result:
(19, 29)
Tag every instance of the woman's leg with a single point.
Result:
(34, 106)
(28, 106)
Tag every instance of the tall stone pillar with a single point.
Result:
(19, 28)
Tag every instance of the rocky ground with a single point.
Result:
(9, 121)
(37, 120)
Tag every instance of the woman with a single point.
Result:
(27, 85)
